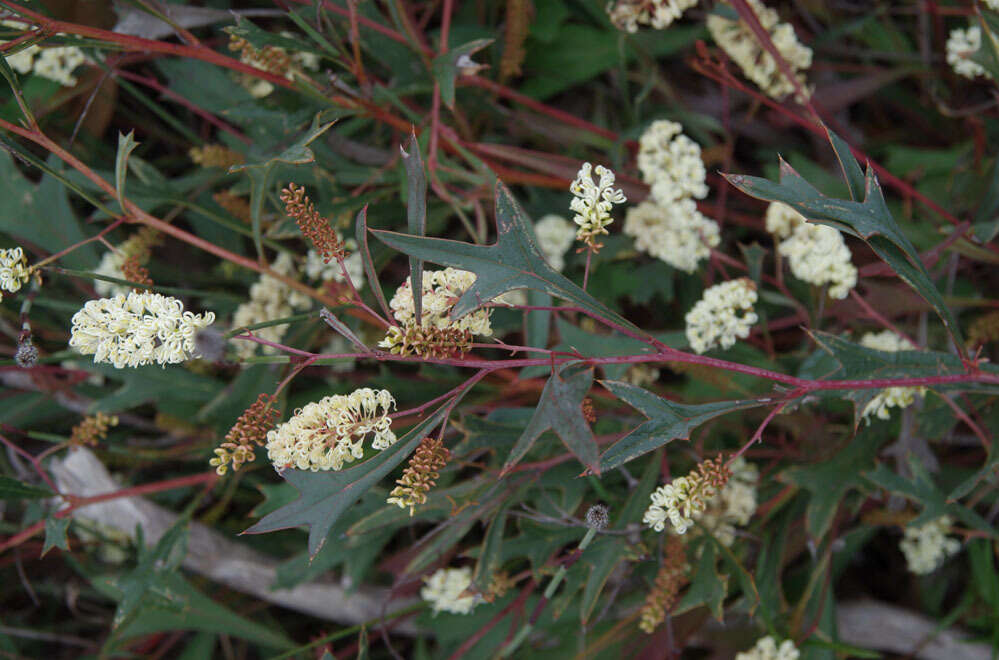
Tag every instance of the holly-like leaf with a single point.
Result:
(260, 166)
(668, 421)
(149, 583)
(512, 262)
(829, 480)
(446, 67)
(12, 489)
(870, 220)
(324, 496)
(560, 410)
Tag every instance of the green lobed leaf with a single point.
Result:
(324, 496)
(560, 410)
(512, 262)
(12, 489)
(55, 533)
(668, 421)
(126, 145)
(869, 220)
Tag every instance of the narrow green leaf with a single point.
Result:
(126, 145)
(668, 421)
(852, 173)
(560, 410)
(324, 496)
(491, 554)
(55, 534)
(12, 489)
(446, 67)
(416, 217)
(341, 328)
(361, 234)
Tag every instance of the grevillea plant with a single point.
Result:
(357, 348)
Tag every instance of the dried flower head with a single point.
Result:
(740, 43)
(250, 429)
(658, 14)
(597, 517)
(441, 290)
(136, 330)
(735, 503)
(685, 498)
(92, 430)
(325, 434)
(426, 341)
(890, 397)
(317, 228)
(675, 232)
(14, 270)
(421, 474)
(26, 355)
(767, 649)
(927, 547)
(724, 314)
(446, 589)
(671, 578)
(216, 155)
(592, 202)
(269, 58)
(136, 272)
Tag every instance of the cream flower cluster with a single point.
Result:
(269, 299)
(641, 375)
(56, 63)
(961, 45)
(259, 88)
(927, 547)
(317, 269)
(441, 290)
(679, 502)
(445, 589)
(767, 649)
(555, 236)
(13, 270)
(327, 433)
(671, 163)
(739, 42)
(137, 329)
(735, 504)
(817, 254)
(890, 397)
(724, 314)
(592, 201)
(676, 233)
(659, 14)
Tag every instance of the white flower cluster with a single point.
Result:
(445, 589)
(676, 233)
(927, 547)
(767, 649)
(641, 375)
(817, 254)
(724, 314)
(56, 63)
(327, 433)
(961, 45)
(668, 225)
(269, 299)
(555, 235)
(13, 270)
(735, 504)
(136, 330)
(441, 290)
(659, 14)
(679, 502)
(592, 202)
(738, 40)
(317, 269)
(671, 163)
(890, 397)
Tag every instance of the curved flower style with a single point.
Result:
(592, 202)
(325, 434)
(441, 290)
(136, 330)
(671, 163)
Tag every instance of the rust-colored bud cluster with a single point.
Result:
(269, 58)
(427, 341)
(671, 578)
(317, 228)
(421, 474)
(215, 155)
(250, 429)
(134, 271)
(714, 472)
(589, 412)
(92, 430)
(238, 207)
